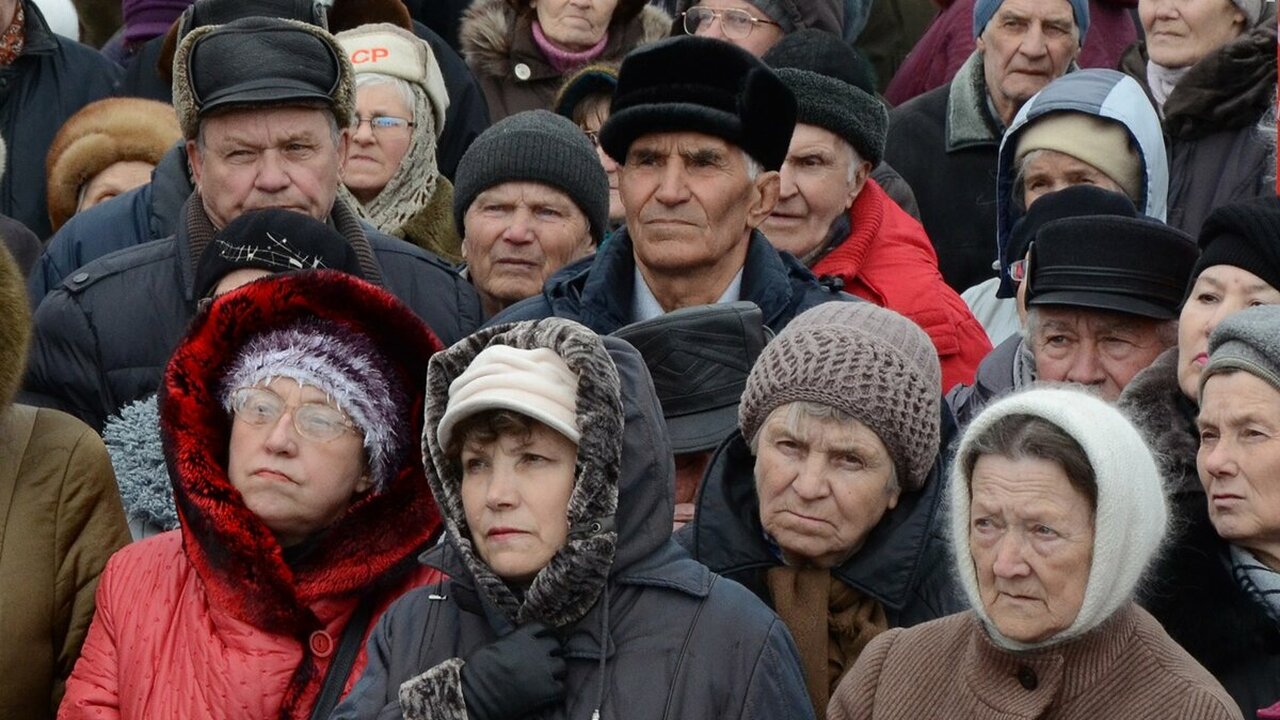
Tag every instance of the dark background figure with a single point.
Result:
(699, 358)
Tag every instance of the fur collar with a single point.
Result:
(1155, 404)
(432, 228)
(491, 35)
(15, 328)
(969, 119)
(563, 591)
(238, 559)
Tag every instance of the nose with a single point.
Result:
(789, 187)
(520, 231)
(282, 439)
(672, 189)
(1033, 43)
(272, 175)
(1009, 562)
(364, 132)
(1217, 460)
(1085, 368)
(712, 28)
(501, 492)
(1165, 9)
(811, 482)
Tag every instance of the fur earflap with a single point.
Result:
(564, 590)
(101, 134)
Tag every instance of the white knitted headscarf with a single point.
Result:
(1129, 521)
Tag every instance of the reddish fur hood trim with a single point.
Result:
(236, 556)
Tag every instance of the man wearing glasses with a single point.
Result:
(756, 27)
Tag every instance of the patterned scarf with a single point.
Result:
(14, 38)
(1257, 580)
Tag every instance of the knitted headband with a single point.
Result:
(344, 364)
(868, 362)
(534, 382)
(1129, 521)
(1247, 340)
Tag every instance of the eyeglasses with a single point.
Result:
(593, 136)
(734, 23)
(315, 421)
(1018, 270)
(383, 123)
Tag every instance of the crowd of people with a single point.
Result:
(515, 359)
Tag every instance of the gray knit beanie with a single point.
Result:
(1248, 340)
(868, 362)
(535, 146)
(835, 105)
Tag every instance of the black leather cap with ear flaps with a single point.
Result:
(695, 84)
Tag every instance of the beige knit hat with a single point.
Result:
(863, 360)
(536, 383)
(1104, 144)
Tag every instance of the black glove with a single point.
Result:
(515, 675)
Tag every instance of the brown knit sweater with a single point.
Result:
(1127, 668)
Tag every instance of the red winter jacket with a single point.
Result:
(888, 260)
(210, 621)
(948, 42)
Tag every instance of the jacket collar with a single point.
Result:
(969, 119)
(604, 289)
(1166, 419)
(40, 39)
(727, 536)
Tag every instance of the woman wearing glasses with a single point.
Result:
(756, 27)
(290, 418)
(522, 50)
(391, 175)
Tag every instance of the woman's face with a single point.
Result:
(1218, 292)
(823, 486)
(1031, 539)
(515, 493)
(374, 154)
(295, 485)
(1239, 461)
(574, 25)
(1182, 32)
(591, 124)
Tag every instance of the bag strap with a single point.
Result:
(343, 660)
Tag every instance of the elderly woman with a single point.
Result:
(288, 416)
(1232, 612)
(522, 50)
(566, 596)
(1056, 508)
(1090, 127)
(1210, 66)
(585, 99)
(824, 504)
(391, 172)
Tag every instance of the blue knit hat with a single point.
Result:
(984, 10)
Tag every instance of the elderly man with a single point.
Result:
(265, 105)
(838, 220)
(758, 26)
(1102, 290)
(945, 142)
(531, 197)
(698, 175)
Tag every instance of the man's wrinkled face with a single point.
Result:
(820, 179)
(1026, 45)
(1094, 348)
(275, 157)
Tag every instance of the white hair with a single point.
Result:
(403, 88)
(754, 168)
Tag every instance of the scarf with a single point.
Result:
(14, 38)
(414, 182)
(1258, 581)
(829, 642)
(1024, 366)
(1162, 80)
(563, 61)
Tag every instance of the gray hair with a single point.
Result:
(799, 410)
(403, 88)
(1028, 437)
(754, 168)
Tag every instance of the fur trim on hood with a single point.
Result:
(373, 544)
(343, 101)
(132, 437)
(15, 327)
(563, 591)
(487, 35)
(1154, 402)
(101, 134)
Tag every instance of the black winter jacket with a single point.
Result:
(995, 377)
(103, 338)
(598, 291)
(903, 564)
(49, 82)
(672, 639)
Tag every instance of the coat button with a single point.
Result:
(321, 644)
(522, 71)
(1027, 678)
(80, 277)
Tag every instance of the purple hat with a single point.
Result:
(146, 19)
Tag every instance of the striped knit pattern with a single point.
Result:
(1127, 668)
(1258, 581)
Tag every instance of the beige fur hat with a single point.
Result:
(101, 134)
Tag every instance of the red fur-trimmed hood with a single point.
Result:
(376, 541)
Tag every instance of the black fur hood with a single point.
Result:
(1154, 402)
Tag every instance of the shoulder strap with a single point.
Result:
(343, 659)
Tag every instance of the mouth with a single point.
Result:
(503, 533)
(1200, 360)
(1017, 598)
(807, 519)
(269, 474)
(786, 218)
(1225, 499)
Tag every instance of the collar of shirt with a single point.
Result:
(645, 305)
